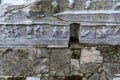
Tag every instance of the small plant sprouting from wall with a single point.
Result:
(75, 54)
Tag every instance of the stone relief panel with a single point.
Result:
(34, 34)
(100, 34)
(88, 4)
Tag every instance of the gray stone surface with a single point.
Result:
(19, 62)
(90, 67)
(75, 67)
(111, 68)
(34, 35)
(90, 55)
(103, 76)
(94, 77)
(104, 34)
(42, 52)
(52, 24)
(32, 78)
(60, 62)
(116, 78)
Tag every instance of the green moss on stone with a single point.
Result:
(75, 54)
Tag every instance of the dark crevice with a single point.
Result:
(74, 77)
(74, 31)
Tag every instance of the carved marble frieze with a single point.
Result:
(34, 35)
(102, 34)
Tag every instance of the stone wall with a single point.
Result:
(88, 63)
(56, 39)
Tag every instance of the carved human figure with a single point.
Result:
(38, 31)
(88, 4)
(71, 3)
(102, 33)
(95, 4)
(116, 30)
(64, 32)
(41, 30)
(84, 33)
(55, 6)
(6, 31)
(29, 31)
(16, 32)
(55, 32)
(98, 33)
(3, 27)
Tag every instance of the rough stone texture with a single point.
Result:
(90, 55)
(54, 64)
(12, 60)
(75, 67)
(43, 52)
(103, 76)
(94, 77)
(19, 62)
(86, 21)
(59, 62)
(91, 67)
(111, 68)
(110, 54)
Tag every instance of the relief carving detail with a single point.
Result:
(71, 4)
(55, 6)
(55, 32)
(29, 31)
(88, 4)
(38, 31)
(64, 32)
(84, 32)
(102, 33)
(10, 31)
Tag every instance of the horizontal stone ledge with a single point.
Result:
(34, 23)
(105, 16)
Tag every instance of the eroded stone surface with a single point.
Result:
(75, 67)
(90, 55)
(111, 69)
(59, 62)
(19, 62)
(94, 77)
(90, 67)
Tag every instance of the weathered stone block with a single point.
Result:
(43, 53)
(111, 68)
(89, 68)
(75, 67)
(32, 78)
(41, 66)
(60, 62)
(16, 61)
(103, 76)
(94, 77)
(117, 78)
(22, 62)
(90, 55)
